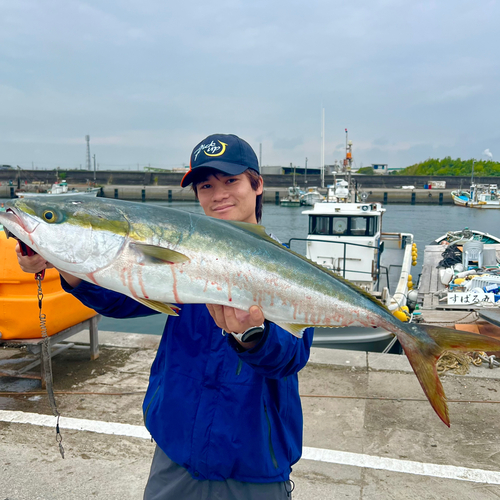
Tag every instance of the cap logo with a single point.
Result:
(211, 149)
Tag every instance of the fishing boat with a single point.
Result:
(292, 199)
(60, 188)
(347, 239)
(484, 196)
(460, 279)
(343, 191)
(311, 196)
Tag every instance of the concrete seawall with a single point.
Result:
(386, 196)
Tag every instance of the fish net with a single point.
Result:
(451, 256)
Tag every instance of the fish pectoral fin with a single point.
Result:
(159, 255)
(293, 328)
(162, 307)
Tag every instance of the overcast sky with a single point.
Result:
(149, 79)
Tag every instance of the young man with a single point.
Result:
(223, 408)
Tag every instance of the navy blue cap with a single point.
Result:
(225, 152)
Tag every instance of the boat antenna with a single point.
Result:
(323, 148)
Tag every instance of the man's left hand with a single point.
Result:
(235, 320)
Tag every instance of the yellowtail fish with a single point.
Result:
(163, 256)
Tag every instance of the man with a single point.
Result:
(223, 408)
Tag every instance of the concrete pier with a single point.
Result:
(369, 431)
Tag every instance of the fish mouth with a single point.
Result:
(13, 220)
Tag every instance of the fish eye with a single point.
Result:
(49, 216)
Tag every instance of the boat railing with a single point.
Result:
(344, 259)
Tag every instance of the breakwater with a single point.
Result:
(383, 195)
(18, 178)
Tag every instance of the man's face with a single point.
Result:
(229, 197)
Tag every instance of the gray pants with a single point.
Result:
(169, 481)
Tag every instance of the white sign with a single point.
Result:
(470, 297)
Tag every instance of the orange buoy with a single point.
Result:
(19, 302)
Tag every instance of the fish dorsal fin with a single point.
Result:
(162, 307)
(256, 229)
(157, 254)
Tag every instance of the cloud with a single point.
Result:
(147, 80)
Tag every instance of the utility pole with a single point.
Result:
(94, 172)
(87, 138)
(305, 177)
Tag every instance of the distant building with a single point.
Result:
(380, 168)
(5, 167)
(278, 170)
(271, 170)
(300, 170)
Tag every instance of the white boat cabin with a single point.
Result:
(355, 228)
(347, 238)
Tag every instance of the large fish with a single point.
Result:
(163, 256)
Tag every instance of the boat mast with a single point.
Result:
(474, 196)
(347, 166)
(323, 148)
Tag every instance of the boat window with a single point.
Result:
(362, 226)
(340, 225)
(319, 225)
(358, 226)
(343, 225)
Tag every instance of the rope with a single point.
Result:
(325, 396)
(456, 361)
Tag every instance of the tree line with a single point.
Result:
(456, 167)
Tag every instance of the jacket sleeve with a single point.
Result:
(107, 302)
(278, 354)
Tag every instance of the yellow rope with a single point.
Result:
(457, 362)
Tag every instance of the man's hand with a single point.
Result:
(31, 263)
(36, 263)
(235, 320)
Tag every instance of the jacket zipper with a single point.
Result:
(271, 449)
(149, 404)
(239, 367)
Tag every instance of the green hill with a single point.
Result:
(450, 166)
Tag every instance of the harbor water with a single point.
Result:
(425, 222)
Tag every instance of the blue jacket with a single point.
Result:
(218, 412)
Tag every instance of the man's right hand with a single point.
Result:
(31, 263)
(36, 263)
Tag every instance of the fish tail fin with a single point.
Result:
(424, 345)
